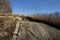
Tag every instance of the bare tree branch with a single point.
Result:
(5, 6)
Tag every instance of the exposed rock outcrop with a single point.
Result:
(19, 27)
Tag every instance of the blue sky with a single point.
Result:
(29, 7)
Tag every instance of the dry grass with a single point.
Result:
(49, 20)
(7, 26)
(55, 22)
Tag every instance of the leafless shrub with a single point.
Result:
(5, 6)
(51, 19)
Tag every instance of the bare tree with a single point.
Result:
(5, 6)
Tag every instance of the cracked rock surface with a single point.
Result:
(27, 30)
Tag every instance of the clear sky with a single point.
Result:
(35, 6)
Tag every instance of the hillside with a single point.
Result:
(55, 22)
(19, 27)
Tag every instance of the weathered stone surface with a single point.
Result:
(12, 27)
(37, 31)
